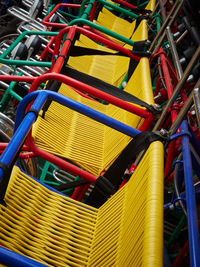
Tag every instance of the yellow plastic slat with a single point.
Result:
(151, 5)
(88, 143)
(44, 225)
(57, 231)
(129, 232)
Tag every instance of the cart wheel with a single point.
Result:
(20, 52)
(34, 43)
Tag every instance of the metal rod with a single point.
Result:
(176, 5)
(177, 89)
(174, 53)
(181, 115)
(156, 6)
(162, 10)
(193, 97)
(196, 100)
(172, 18)
(182, 37)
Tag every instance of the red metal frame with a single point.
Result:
(169, 75)
(46, 21)
(94, 36)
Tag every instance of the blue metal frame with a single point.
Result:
(23, 125)
(190, 199)
(13, 259)
(190, 163)
(25, 120)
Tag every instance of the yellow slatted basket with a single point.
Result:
(111, 69)
(86, 142)
(54, 230)
(120, 26)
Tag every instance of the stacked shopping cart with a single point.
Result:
(99, 133)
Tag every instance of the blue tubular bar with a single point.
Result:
(24, 121)
(194, 141)
(13, 259)
(191, 202)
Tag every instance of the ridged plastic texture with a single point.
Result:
(57, 231)
(88, 143)
(121, 26)
(111, 69)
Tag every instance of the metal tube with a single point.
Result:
(174, 53)
(177, 89)
(169, 24)
(181, 115)
(176, 6)
(182, 37)
(197, 103)
(162, 10)
(186, 107)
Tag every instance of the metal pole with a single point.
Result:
(174, 53)
(178, 88)
(182, 37)
(181, 115)
(169, 24)
(176, 5)
(162, 10)
(196, 100)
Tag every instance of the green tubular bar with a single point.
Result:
(8, 93)
(3, 59)
(86, 11)
(142, 4)
(46, 175)
(67, 14)
(101, 29)
(176, 232)
(88, 8)
(117, 8)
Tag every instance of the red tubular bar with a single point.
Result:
(48, 48)
(109, 43)
(92, 12)
(167, 70)
(96, 32)
(126, 4)
(65, 48)
(168, 82)
(53, 24)
(147, 123)
(77, 192)
(10, 78)
(91, 91)
(182, 253)
(61, 163)
(21, 155)
(83, 191)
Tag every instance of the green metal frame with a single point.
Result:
(6, 53)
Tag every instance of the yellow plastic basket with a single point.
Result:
(121, 26)
(88, 143)
(52, 229)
